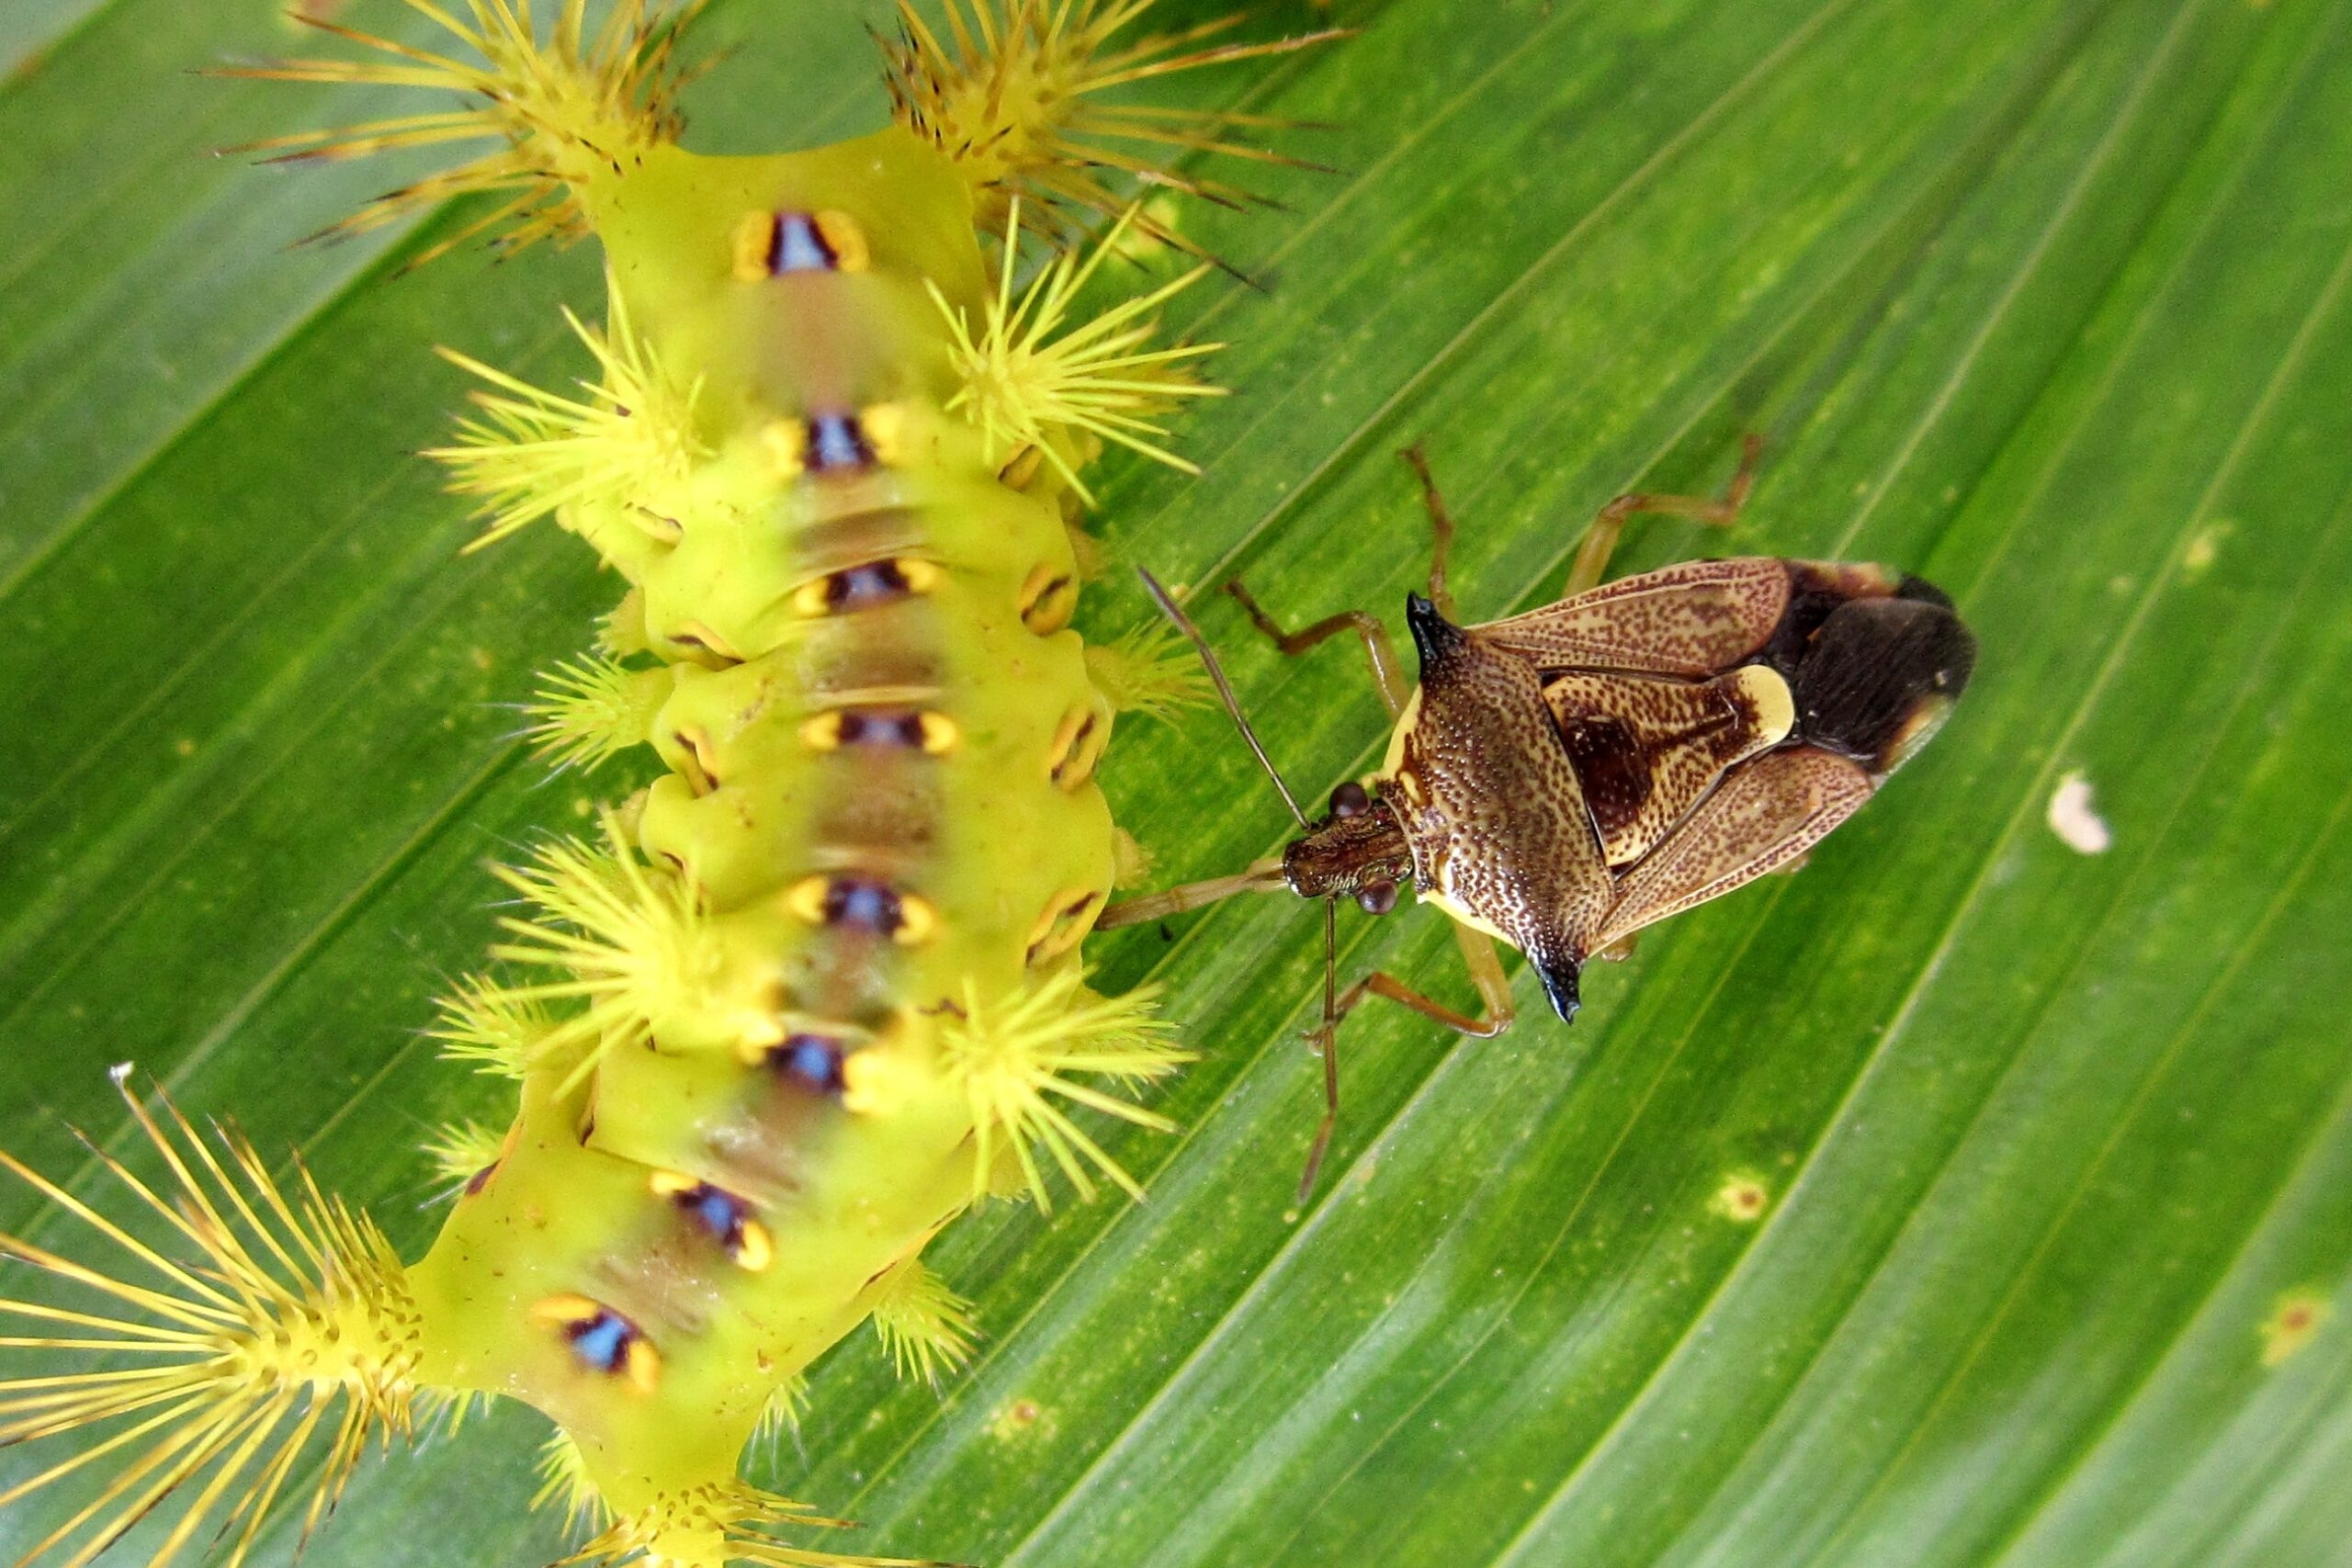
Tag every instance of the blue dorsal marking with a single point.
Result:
(719, 1215)
(862, 585)
(814, 1061)
(836, 442)
(798, 247)
(869, 906)
(602, 1342)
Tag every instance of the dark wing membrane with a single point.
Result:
(1767, 812)
(1692, 620)
(1648, 750)
(1878, 676)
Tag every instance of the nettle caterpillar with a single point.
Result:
(815, 991)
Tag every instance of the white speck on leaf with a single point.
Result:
(2075, 820)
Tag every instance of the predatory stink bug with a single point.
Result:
(1563, 778)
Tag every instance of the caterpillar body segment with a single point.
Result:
(815, 991)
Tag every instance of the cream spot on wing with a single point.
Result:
(1775, 705)
(2075, 820)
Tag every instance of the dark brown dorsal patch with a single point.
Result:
(1648, 750)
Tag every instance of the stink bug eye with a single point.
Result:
(1350, 800)
(1377, 897)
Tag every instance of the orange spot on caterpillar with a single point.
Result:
(787, 443)
(1049, 599)
(879, 1082)
(755, 245)
(1067, 916)
(842, 236)
(886, 433)
(1077, 747)
(917, 921)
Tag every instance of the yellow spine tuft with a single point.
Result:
(630, 936)
(228, 1342)
(569, 109)
(787, 1403)
(565, 1483)
(487, 1024)
(530, 453)
(711, 1526)
(1013, 1057)
(1012, 91)
(462, 1150)
(1151, 670)
(926, 1327)
(1032, 383)
(593, 707)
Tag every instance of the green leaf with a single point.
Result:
(2049, 300)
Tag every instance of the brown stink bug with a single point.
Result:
(1561, 779)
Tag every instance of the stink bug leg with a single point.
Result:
(1478, 955)
(1379, 651)
(1600, 539)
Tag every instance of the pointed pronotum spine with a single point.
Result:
(817, 990)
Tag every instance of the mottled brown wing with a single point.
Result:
(1692, 620)
(1766, 813)
(1647, 750)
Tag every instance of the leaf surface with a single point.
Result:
(2048, 300)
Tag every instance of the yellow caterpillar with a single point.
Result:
(817, 990)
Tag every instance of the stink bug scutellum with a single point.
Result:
(1561, 779)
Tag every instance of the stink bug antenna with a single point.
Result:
(1169, 607)
(1266, 875)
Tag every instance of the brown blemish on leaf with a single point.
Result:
(1023, 1417)
(2293, 1323)
(1742, 1199)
